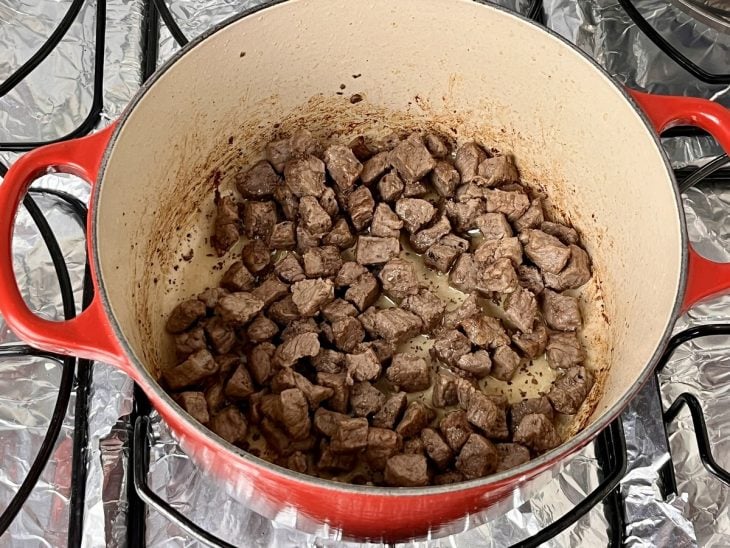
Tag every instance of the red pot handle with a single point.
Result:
(705, 278)
(89, 334)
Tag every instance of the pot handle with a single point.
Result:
(705, 278)
(89, 334)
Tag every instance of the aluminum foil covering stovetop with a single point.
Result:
(56, 98)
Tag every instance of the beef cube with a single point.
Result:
(449, 346)
(532, 218)
(275, 437)
(563, 233)
(311, 295)
(537, 432)
(498, 170)
(390, 187)
(259, 362)
(468, 158)
(313, 217)
(237, 278)
(492, 250)
(570, 389)
(532, 344)
(411, 158)
(425, 238)
(511, 455)
(184, 315)
(547, 252)
(211, 296)
(485, 331)
(329, 460)
(409, 372)
(564, 351)
(415, 189)
(520, 410)
(399, 278)
(469, 191)
(455, 429)
(576, 273)
(463, 275)
(444, 179)
(220, 335)
(300, 326)
(397, 325)
(367, 319)
(226, 232)
(326, 421)
(406, 471)
(478, 364)
(340, 236)
(415, 212)
(328, 201)
(226, 364)
(239, 308)
(271, 290)
(365, 399)
(364, 292)
(314, 393)
(390, 411)
(466, 309)
(284, 311)
(341, 390)
(189, 341)
(289, 269)
(477, 458)
(361, 205)
(499, 277)
(342, 165)
(386, 224)
(486, 415)
(279, 152)
(328, 361)
(561, 312)
(295, 413)
(374, 250)
(505, 363)
(436, 448)
(494, 226)
(349, 273)
(456, 242)
(440, 257)
(230, 424)
(348, 333)
(414, 446)
(256, 256)
(194, 405)
(383, 349)
(215, 397)
(306, 240)
(350, 436)
(415, 419)
(374, 167)
(259, 219)
(258, 182)
(305, 176)
(292, 350)
(530, 278)
(297, 461)
(444, 390)
(512, 204)
(436, 145)
(448, 478)
(362, 367)
(303, 142)
(283, 380)
(426, 305)
(240, 385)
(520, 308)
(288, 203)
(381, 444)
(463, 216)
(322, 262)
(339, 308)
(261, 329)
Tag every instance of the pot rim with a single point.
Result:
(512, 476)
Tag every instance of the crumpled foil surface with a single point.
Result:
(56, 98)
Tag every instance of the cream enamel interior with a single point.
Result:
(466, 69)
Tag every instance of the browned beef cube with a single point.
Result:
(220, 335)
(414, 446)
(364, 366)
(341, 390)
(494, 226)
(463, 216)
(444, 390)
(485, 331)
(329, 460)
(546, 251)
(470, 191)
(498, 170)
(415, 213)
(448, 478)
(468, 308)
(390, 187)
(426, 305)
(238, 278)
(226, 232)
(226, 364)
(284, 311)
(364, 292)
(411, 158)
(288, 203)
(390, 411)
(570, 389)
(256, 256)
(374, 167)
(511, 455)
(279, 152)
(326, 421)
(532, 218)
(436, 448)
(306, 240)
(303, 142)
(361, 206)
(493, 250)
(512, 204)
(381, 444)
(449, 346)
(349, 273)
(455, 429)
(396, 325)
(292, 350)
(283, 380)
(300, 326)
(563, 233)
(415, 189)
(350, 436)
(271, 290)
(311, 295)
(230, 424)
(444, 179)
(305, 176)
(478, 364)
(259, 219)
(468, 158)
(184, 315)
(259, 362)
(576, 273)
(532, 344)
(409, 372)
(339, 308)
(521, 409)
(374, 250)
(441, 257)
(505, 363)
(537, 432)
(564, 350)
(477, 458)
(386, 224)
(190, 341)
(322, 262)
(425, 238)
(530, 278)
(365, 399)
(258, 181)
(383, 349)
(463, 275)
(520, 308)
(328, 361)
(343, 166)
(195, 405)
(328, 201)
(348, 333)
(261, 329)
(486, 415)
(499, 277)
(399, 278)
(313, 217)
(211, 296)
(289, 269)
(239, 308)
(340, 236)
(297, 461)
(295, 413)
(314, 393)
(406, 471)
(275, 437)
(415, 419)
(436, 145)
(561, 312)
(240, 385)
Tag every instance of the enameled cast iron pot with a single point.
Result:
(467, 69)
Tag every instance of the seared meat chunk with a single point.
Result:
(381, 444)
(505, 363)
(338, 308)
(444, 390)
(299, 346)
(184, 315)
(484, 413)
(189, 341)
(288, 203)
(341, 390)
(238, 278)
(426, 305)
(361, 205)
(561, 311)
(329, 460)
(468, 158)
(322, 262)
(364, 292)
(220, 335)
(409, 372)
(259, 362)
(259, 219)
(426, 237)
(211, 296)
(456, 429)
(477, 363)
(396, 325)
(390, 412)
(374, 250)
(406, 471)
(564, 350)
(297, 461)
(382, 348)
(279, 152)
(415, 212)
(532, 218)
(240, 385)
(349, 273)
(477, 458)
(563, 233)
(306, 240)
(512, 204)
(375, 167)
(436, 145)
(284, 311)
(463, 275)
(226, 232)
(570, 389)
(367, 319)
(532, 344)
(411, 158)
(340, 236)
(342, 165)
(289, 269)
(258, 182)
(494, 226)
(440, 257)
(300, 326)
(576, 273)
(498, 170)
(448, 478)
(530, 278)
(326, 422)
(305, 176)
(390, 187)
(520, 308)
(485, 331)
(511, 455)
(350, 436)
(328, 201)
(464, 215)
(492, 250)
(261, 329)
(313, 217)
(230, 424)
(328, 361)
(348, 333)
(294, 413)
(386, 224)
(499, 276)
(436, 448)
(195, 405)
(239, 308)
(310, 296)
(449, 346)
(444, 179)
(366, 400)
(399, 278)
(547, 252)
(270, 290)
(530, 406)
(415, 419)
(364, 366)
(256, 256)
(537, 432)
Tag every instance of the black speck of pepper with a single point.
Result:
(342, 86)
(355, 98)
(242, 54)
(230, 140)
(339, 93)
(154, 280)
(355, 76)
